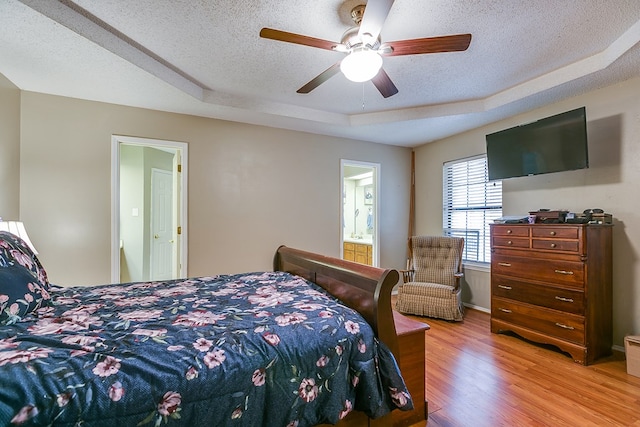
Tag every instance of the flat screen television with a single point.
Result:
(553, 144)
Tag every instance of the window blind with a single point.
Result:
(471, 203)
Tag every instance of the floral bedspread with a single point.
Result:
(252, 349)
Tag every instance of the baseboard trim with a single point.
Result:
(476, 307)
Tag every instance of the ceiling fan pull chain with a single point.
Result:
(363, 96)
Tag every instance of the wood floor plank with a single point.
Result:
(476, 378)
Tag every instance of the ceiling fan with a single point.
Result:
(365, 50)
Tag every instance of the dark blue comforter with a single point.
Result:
(247, 350)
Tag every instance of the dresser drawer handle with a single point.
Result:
(568, 273)
(505, 310)
(563, 326)
(506, 287)
(564, 299)
(504, 264)
(553, 233)
(509, 242)
(509, 231)
(553, 245)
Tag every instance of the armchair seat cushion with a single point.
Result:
(427, 289)
(439, 301)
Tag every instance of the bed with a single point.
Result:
(308, 343)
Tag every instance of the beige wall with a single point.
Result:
(9, 150)
(251, 188)
(611, 183)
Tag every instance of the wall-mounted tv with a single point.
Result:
(553, 144)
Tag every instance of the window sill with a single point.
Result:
(477, 266)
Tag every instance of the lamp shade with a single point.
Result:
(361, 65)
(17, 228)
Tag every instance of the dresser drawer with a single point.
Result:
(568, 300)
(556, 245)
(560, 272)
(510, 230)
(510, 242)
(550, 322)
(564, 232)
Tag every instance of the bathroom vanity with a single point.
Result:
(358, 250)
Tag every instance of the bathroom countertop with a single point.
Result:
(363, 241)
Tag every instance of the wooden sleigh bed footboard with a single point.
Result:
(364, 288)
(368, 290)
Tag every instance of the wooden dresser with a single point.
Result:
(552, 284)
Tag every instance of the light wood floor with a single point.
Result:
(476, 378)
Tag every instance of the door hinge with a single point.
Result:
(179, 168)
(179, 230)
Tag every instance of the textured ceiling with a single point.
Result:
(206, 58)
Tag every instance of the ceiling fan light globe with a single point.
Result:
(361, 65)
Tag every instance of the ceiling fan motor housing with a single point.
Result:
(351, 39)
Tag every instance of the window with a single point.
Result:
(471, 203)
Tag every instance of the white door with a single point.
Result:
(162, 228)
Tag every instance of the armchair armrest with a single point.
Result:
(458, 276)
(407, 275)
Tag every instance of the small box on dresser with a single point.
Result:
(552, 284)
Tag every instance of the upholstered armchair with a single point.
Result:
(432, 284)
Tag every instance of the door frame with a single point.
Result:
(182, 147)
(375, 205)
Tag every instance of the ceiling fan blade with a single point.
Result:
(454, 43)
(375, 14)
(321, 78)
(383, 83)
(283, 36)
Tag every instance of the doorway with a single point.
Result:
(360, 212)
(149, 209)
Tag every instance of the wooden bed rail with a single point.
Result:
(364, 288)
